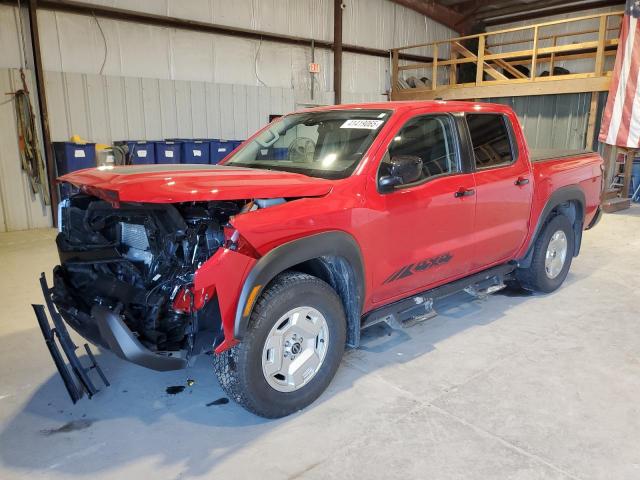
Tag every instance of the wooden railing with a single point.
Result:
(480, 66)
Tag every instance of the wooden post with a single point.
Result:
(480, 63)
(434, 68)
(534, 57)
(591, 123)
(394, 71)
(608, 156)
(552, 61)
(628, 167)
(602, 36)
(453, 71)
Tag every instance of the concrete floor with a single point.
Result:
(512, 387)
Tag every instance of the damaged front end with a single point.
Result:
(126, 275)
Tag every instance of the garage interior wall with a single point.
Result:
(525, 37)
(161, 83)
(555, 121)
(552, 121)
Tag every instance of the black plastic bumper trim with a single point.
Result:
(124, 344)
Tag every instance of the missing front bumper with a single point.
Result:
(104, 328)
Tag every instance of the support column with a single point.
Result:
(337, 51)
(42, 104)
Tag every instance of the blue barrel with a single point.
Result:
(196, 151)
(273, 153)
(635, 180)
(140, 152)
(280, 153)
(220, 149)
(74, 156)
(168, 151)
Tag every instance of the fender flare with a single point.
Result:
(331, 243)
(571, 193)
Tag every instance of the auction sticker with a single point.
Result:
(366, 124)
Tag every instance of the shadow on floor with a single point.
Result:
(136, 418)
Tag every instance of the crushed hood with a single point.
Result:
(186, 183)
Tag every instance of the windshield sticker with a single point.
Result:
(365, 124)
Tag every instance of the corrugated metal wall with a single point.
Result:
(19, 208)
(160, 82)
(552, 121)
(109, 108)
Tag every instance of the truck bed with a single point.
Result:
(543, 154)
(579, 168)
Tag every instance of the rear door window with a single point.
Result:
(492, 146)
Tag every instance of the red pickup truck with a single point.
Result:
(323, 223)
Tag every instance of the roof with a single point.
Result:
(437, 105)
(497, 12)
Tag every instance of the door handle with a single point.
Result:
(463, 192)
(521, 181)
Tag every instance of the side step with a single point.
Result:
(74, 375)
(419, 308)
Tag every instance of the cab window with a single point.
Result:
(432, 139)
(491, 141)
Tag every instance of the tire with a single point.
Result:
(547, 277)
(241, 369)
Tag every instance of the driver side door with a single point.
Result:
(423, 230)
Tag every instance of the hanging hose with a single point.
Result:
(30, 154)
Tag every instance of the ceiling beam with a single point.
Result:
(513, 8)
(530, 15)
(464, 7)
(440, 13)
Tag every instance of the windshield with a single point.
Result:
(327, 144)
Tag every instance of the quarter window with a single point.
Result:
(491, 140)
(432, 139)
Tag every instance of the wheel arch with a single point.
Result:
(333, 256)
(569, 201)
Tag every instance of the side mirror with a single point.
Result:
(403, 169)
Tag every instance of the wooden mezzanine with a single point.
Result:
(493, 68)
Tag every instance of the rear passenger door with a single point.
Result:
(503, 189)
(423, 230)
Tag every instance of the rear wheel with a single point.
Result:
(552, 255)
(291, 351)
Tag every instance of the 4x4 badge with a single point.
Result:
(421, 266)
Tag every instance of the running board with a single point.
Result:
(419, 308)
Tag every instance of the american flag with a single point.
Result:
(621, 119)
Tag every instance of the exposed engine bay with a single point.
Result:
(134, 260)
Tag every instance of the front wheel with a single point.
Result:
(292, 348)
(552, 255)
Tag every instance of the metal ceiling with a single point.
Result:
(461, 15)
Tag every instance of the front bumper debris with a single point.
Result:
(74, 375)
(106, 328)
